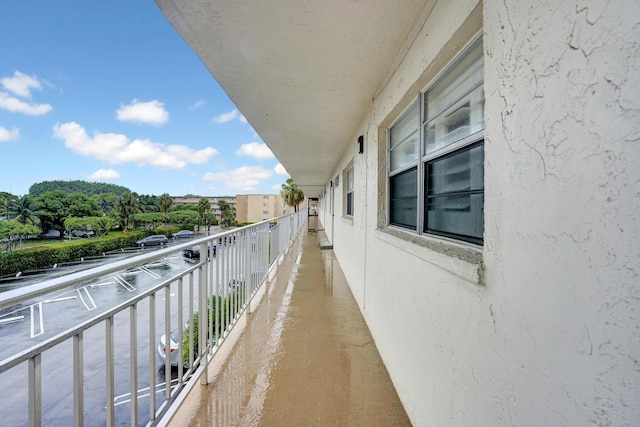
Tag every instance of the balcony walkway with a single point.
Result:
(303, 357)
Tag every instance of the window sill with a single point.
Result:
(458, 259)
(347, 219)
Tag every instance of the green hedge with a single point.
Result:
(168, 231)
(231, 304)
(42, 256)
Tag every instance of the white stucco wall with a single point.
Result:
(552, 337)
(562, 198)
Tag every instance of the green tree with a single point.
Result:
(148, 203)
(292, 194)
(149, 220)
(105, 201)
(14, 232)
(87, 188)
(204, 206)
(52, 210)
(26, 210)
(80, 205)
(227, 213)
(6, 200)
(165, 202)
(126, 206)
(177, 208)
(183, 217)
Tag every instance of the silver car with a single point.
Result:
(183, 234)
(175, 357)
(155, 240)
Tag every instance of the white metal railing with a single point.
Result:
(221, 285)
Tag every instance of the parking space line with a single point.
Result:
(171, 265)
(59, 299)
(11, 319)
(89, 304)
(143, 392)
(149, 272)
(37, 312)
(124, 283)
(95, 285)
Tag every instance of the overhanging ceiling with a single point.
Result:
(303, 72)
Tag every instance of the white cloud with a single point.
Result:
(256, 150)
(243, 179)
(277, 188)
(280, 170)
(9, 135)
(117, 148)
(243, 119)
(104, 175)
(151, 112)
(226, 117)
(21, 84)
(15, 105)
(196, 105)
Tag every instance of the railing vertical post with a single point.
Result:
(202, 321)
(191, 323)
(167, 341)
(109, 362)
(133, 362)
(78, 380)
(35, 391)
(247, 286)
(180, 332)
(211, 293)
(152, 359)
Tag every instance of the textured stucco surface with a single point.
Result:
(562, 197)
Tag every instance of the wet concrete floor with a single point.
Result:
(303, 357)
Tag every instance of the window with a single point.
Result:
(265, 197)
(436, 155)
(265, 204)
(265, 212)
(348, 179)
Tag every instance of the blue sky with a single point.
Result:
(109, 92)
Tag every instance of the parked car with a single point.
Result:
(183, 234)
(194, 251)
(82, 233)
(236, 282)
(155, 240)
(175, 356)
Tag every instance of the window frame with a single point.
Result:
(349, 190)
(423, 158)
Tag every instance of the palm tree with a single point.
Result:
(26, 210)
(227, 213)
(127, 205)
(6, 200)
(105, 201)
(147, 203)
(292, 194)
(165, 202)
(204, 206)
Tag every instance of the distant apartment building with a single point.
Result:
(258, 207)
(213, 201)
